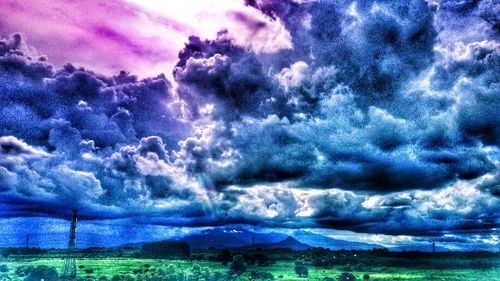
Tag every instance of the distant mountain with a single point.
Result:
(216, 239)
(317, 240)
(234, 237)
(136, 245)
(287, 243)
(221, 238)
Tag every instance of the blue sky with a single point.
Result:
(359, 117)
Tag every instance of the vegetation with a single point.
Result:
(301, 269)
(245, 265)
(165, 249)
(4, 268)
(238, 266)
(42, 272)
(347, 276)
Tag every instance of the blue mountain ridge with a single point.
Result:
(318, 240)
(222, 238)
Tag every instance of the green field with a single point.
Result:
(281, 270)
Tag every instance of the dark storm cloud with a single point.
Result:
(75, 104)
(471, 15)
(371, 122)
(477, 118)
(376, 45)
(82, 123)
(221, 73)
(377, 152)
(368, 135)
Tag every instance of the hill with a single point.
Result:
(287, 243)
(317, 240)
(235, 237)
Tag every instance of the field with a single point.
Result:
(106, 268)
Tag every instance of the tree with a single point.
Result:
(347, 276)
(47, 273)
(262, 260)
(226, 256)
(166, 249)
(256, 275)
(238, 266)
(23, 270)
(301, 269)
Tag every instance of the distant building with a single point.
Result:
(166, 249)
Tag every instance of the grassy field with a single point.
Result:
(282, 270)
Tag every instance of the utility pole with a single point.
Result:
(433, 246)
(69, 270)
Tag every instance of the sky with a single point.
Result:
(368, 120)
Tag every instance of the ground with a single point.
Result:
(282, 270)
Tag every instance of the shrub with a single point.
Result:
(89, 271)
(301, 269)
(137, 271)
(347, 276)
(4, 268)
(102, 278)
(122, 278)
(360, 267)
(81, 266)
(23, 270)
(262, 260)
(366, 277)
(47, 273)
(347, 268)
(226, 256)
(127, 278)
(238, 265)
(256, 275)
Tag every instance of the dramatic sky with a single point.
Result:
(375, 121)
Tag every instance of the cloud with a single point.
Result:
(461, 208)
(373, 152)
(74, 104)
(10, 145)
(220, 73)
(368, 121)
(139, 36)
(491, 184)
(467, 21)
(377, 45)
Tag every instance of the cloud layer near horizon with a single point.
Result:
(374, 121)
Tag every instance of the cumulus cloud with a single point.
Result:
(10, 145)
(220, 73)
(461, 208)
(369, 122)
